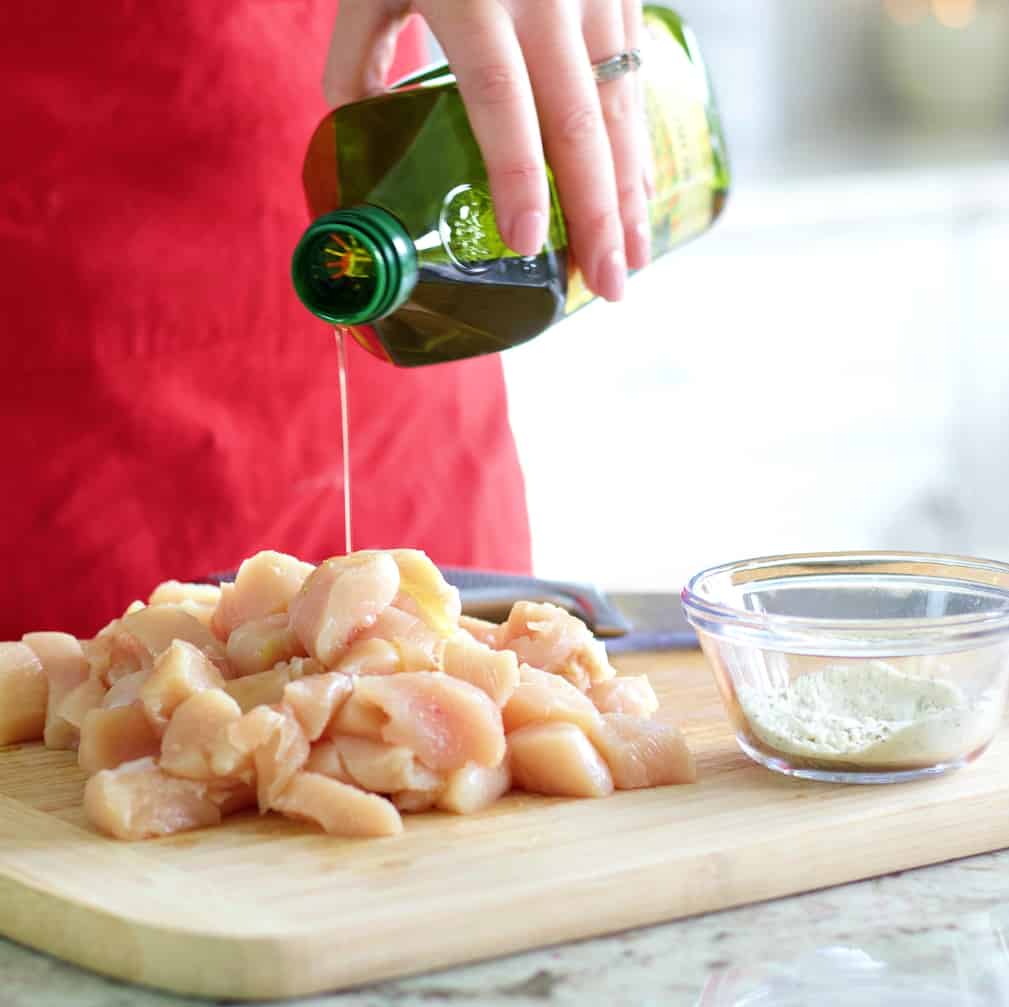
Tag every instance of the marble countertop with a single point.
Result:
(933, 936)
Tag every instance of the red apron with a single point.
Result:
(168, 406)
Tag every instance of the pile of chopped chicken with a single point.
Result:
(341, 694)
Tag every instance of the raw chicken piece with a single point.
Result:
(547, 637)
(325, 759)
(231, 796)
(203, 614)
(643, 753)
(371, 765)
(233, 751)
(425, 592)
(174, 592)
(370, 657)
(113, 656)
(156, 627)
(267, 740)
(341, 598)
(126, 691)
(359, 718)
(134, 642)
(340, 809)
(194, 732)
(137, 801)
(65, 667)
(417, 646)
(414, 801)
(315, 700)
(198, 600)
(445, 721)
(495, 672)
(267, 688)
(473, 788)
(259, 644)
(541, 696)
(23, 692)
(111, 737)
(77, 703)
(180, 672)
(558, 760)
(630, 694)
(225, 618)
(112, 651)
(485, 632)
(264, 584)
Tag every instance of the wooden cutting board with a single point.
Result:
(263, 907)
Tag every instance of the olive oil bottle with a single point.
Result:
(404, 250)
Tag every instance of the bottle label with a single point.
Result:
(676, 101)
(683, 161)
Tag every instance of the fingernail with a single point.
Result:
(639, 246)
(529, 232)
(610, 276)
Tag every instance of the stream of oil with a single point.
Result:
(340, 334)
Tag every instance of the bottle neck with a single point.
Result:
(354, 266)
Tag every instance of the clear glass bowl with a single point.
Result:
(857, 667)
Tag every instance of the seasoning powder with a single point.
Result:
(871, 714)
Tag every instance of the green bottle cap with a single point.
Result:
(354, 266)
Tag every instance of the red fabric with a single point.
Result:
(168, 406)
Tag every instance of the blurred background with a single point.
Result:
(828, 368)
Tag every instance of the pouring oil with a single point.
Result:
(339, 335)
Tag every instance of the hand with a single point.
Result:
(520, 64)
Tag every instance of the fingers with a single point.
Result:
(576, 141)
(480, 43)
(605, 36)
(361, 49)
(508, 71)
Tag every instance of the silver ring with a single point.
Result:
(616, 66)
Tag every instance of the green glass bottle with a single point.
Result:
(404, 250)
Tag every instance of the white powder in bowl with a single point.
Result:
(871, 714)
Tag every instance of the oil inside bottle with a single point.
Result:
(340, 335)
(452, 315)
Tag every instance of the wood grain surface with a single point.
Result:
(265, 907)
